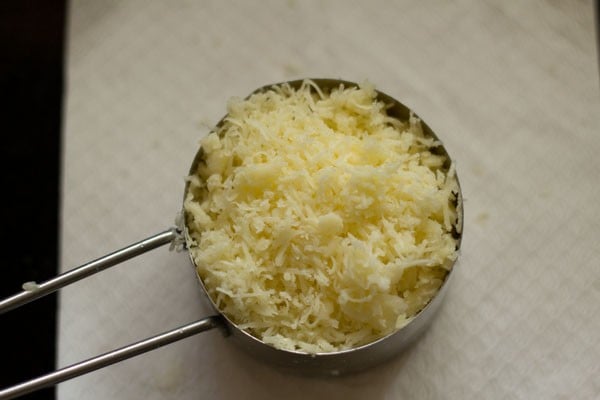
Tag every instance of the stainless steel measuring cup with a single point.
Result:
(322, 364)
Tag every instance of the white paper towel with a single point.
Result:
(512, 89)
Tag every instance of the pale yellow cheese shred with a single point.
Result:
(318, 222)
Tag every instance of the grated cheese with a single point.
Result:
(319, 223)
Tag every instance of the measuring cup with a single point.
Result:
(319, 364)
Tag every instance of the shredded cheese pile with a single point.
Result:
(317, 222)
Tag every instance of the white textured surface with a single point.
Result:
(512, 89)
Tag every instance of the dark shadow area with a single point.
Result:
(31, 88)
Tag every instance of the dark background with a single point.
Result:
(31, 88)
